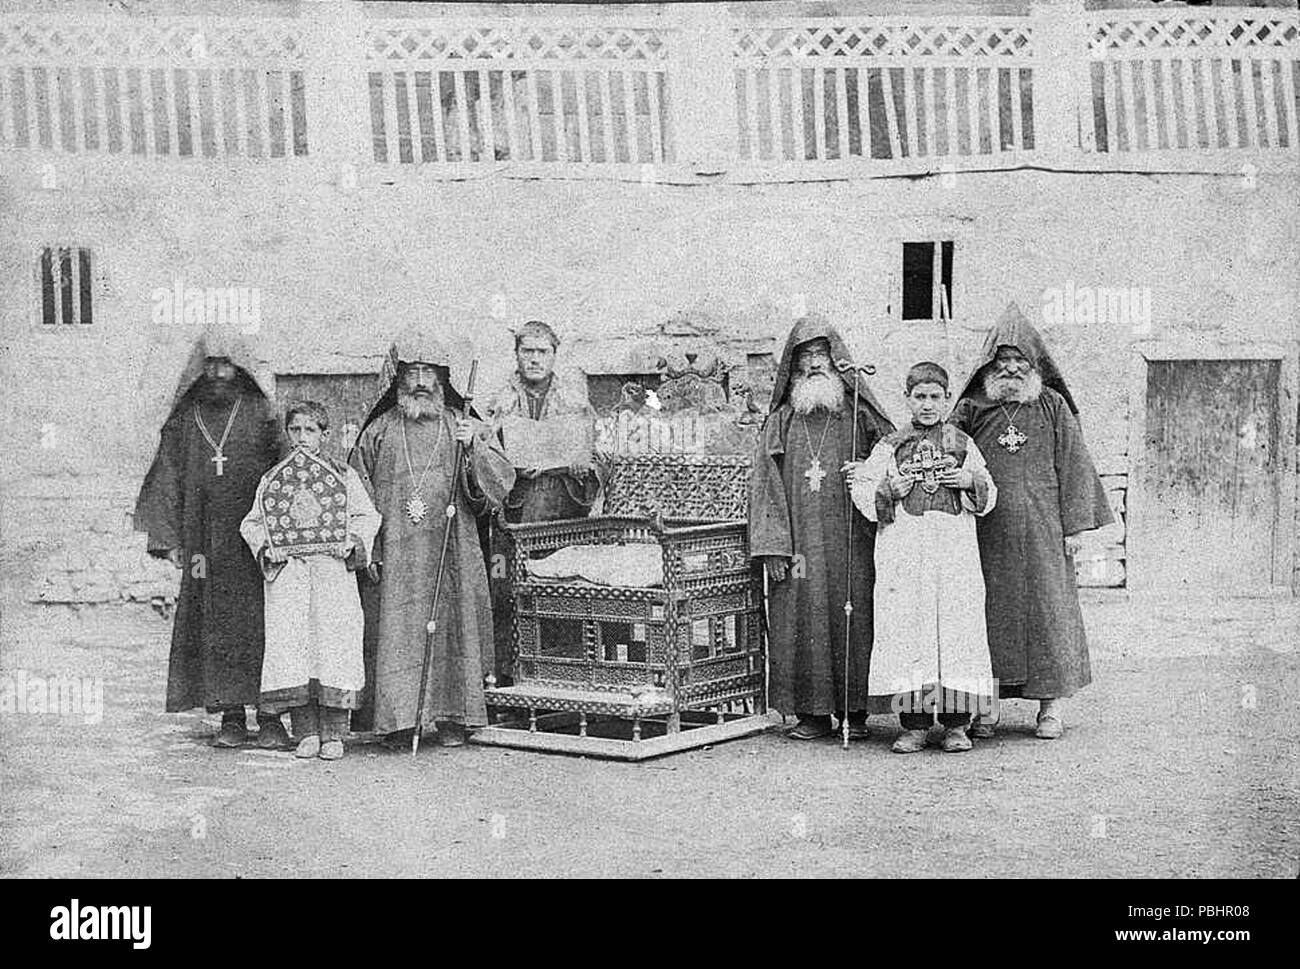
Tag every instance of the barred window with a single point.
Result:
(927, 280)
(66, 284)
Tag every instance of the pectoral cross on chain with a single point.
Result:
(815, 474)
(219, 460)
(926, 464)
(1012, 439)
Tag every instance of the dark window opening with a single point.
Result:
(66, 284)
(922, 298)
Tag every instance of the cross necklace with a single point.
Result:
(219, 458)
(416, 507)
(1012, 438)
(815, 474)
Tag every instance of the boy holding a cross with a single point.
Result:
(924, 485)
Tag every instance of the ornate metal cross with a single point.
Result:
(926, 464)
(815, 474)
(1012, 439)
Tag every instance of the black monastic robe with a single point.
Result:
(1048, 488)
(217, 638)
(811, 528)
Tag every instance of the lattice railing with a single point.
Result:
(161, 86)
(1194, 80)
(602, 90)
(816, 90)
(517, 91)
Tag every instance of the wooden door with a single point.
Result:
(347, 397)
(1211, 477)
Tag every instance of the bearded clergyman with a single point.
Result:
(406, 455)
(1018, 410)
(220, 438)
(799, 512)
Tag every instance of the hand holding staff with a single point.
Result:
(463, 434)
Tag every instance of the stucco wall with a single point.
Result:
(609, 263)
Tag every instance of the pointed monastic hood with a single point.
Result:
(1013, 329)
(216, 343)
(811, 328)
(422, 345)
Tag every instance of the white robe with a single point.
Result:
(314, 622)
(929, 593)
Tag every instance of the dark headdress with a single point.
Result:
(1014, 330)
(150, 510)
(811, 328)
(234, 349)
(419, 346)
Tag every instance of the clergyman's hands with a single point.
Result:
(1073, 543)
(851, 469)
(777, 567)
(465, 431)
(176, 557)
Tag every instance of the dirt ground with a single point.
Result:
(1179, 760)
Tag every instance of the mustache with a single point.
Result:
(218, 388)
(420, 403)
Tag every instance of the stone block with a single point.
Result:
(1099, 572)
(1106, 536)
(55, 589)
(98, 592)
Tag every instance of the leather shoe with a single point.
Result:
(271, 734)
(810, 728)
(451, 735)
(955, 740)
(910, 742)
(232, 734)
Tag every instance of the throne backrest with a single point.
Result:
(680, 487)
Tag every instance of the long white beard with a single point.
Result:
(419, 408)
(808, 394)
(1015, 389)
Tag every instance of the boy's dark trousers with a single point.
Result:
(916, 721)
(328, 723)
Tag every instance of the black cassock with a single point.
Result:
(218, 637)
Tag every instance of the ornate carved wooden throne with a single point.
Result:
(631, 671)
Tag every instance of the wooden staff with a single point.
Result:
(431, 626)
(845, 366)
